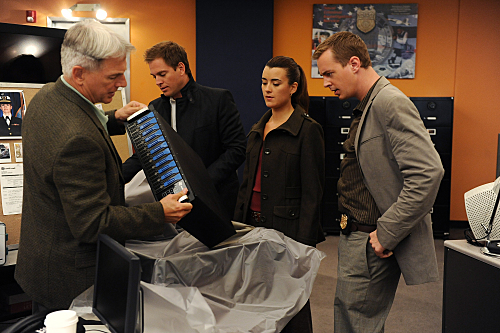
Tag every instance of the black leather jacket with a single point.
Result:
(209, 122)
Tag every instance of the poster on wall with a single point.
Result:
(388, 30)
(13, 108)
(11, 180)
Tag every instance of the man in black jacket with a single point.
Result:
(206, 118)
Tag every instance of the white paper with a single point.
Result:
(11, 178)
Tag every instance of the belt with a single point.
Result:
(255, 216)
(345, 221)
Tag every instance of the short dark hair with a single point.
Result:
(171, 52)
(344, 45)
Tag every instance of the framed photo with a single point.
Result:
(5, 152)
(13, 108)
(18, 152)
(388, 30)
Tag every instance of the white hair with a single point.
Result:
(89, 42)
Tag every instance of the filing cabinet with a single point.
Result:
(334, 115)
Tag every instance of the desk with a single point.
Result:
(13, 302)
(11, 258)
(471, 289)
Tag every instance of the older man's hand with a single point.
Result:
(128, 110)
(173, 209)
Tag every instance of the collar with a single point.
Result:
(103, 118)
(186, 93)
(377, 87)
(292, 125)
(361, 105)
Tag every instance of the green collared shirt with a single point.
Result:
(103, 118)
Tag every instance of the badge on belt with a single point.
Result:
(345, 224)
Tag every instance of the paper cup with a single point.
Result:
(63, 321)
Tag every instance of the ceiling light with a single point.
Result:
(66, 12)
(85, 7)
(101, 14)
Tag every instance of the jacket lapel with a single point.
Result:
(383, 82)
(89, 111)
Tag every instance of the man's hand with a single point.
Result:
(128, 110)
(380, 251)
(173, 209)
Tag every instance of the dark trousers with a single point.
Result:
(301, 322)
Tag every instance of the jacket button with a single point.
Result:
(267, 151)
(291, 213)
(265, 174)
(262, 219)
(264, 196)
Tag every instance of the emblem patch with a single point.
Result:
(343, 221)
(365, 20)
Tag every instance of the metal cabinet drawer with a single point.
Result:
(335, 137)
(435, 111)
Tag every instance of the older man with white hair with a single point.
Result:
(73, 182)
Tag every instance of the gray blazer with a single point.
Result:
(403, 171)
(73, 191)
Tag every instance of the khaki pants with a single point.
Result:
(366, 286)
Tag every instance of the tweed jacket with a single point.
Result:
(292, 177)
(402, 170)
(208, 120)
(73, 191)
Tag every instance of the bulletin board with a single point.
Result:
(122, 143)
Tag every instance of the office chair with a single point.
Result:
(29, 324)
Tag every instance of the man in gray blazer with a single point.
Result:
(73, 182)
(390, 177)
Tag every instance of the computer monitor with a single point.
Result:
(117, 297)
(30, 54)
(481, 205)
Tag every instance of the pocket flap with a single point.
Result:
(287, 212)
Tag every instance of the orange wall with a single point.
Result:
(435, 52)
(151, 22)
(458, 48)
(477, 110)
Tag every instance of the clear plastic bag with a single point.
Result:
(254, 282)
